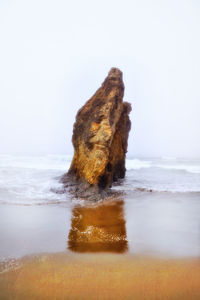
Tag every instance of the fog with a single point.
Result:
(55, 54)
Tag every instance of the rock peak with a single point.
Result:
(115, 73)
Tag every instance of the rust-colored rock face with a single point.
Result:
(100, 136)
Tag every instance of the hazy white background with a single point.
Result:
(55, 54)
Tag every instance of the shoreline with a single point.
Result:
(150, 244)
(139, 223)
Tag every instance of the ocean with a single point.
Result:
(159, 208)
(29, 180)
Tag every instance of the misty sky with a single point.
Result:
(55, 54)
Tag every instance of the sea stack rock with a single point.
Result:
(100, 138)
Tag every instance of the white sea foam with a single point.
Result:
(33, 180)
(135, 164)
(187, 168)
(192, 166)
(162, 175)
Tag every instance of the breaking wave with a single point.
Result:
(31, 180)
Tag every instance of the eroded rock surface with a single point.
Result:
(100, 138)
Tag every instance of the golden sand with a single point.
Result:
(101, 276)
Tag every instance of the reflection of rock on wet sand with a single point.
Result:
(98, 228)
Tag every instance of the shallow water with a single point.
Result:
(157, 212)
(159, 224)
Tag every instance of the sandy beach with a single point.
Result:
(101, 276)
(117, 249)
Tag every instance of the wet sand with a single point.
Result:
(101, 276)
(164, 224)
(142, 247)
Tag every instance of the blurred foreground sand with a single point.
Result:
(101, 276)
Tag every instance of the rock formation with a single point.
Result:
(100, 138)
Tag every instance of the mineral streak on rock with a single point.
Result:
(100, 138)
